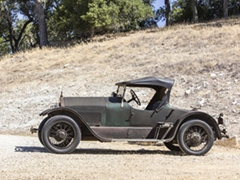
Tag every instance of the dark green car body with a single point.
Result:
(114, 119)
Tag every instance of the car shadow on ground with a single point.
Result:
(35, 149)
(121, 152)
(30, 149)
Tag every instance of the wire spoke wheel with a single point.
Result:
(61, 134)
(195, 137)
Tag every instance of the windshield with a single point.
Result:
(120, 91)
(143, 94)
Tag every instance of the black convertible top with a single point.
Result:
(152, 82)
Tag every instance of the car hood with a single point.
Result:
(82, 101)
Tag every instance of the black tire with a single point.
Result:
(61, 134)
(40, 130)
(195, 137)
(172, 147)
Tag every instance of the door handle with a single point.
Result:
(130, 116)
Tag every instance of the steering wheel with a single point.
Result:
(134, 97)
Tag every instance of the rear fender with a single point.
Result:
(74, 115)
(201, 116)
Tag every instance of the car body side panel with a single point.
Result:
(165, 114)
(142, 118)
(125, 132)
(117, 114)
(92, 109)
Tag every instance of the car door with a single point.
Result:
(149, 117)
(144, 122)
(118, 114)
(115, 121)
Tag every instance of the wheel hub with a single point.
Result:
(62, 134)
(196, 138)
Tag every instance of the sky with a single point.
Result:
(159, 3)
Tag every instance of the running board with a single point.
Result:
(140, 140)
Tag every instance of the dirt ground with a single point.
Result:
(23, 157)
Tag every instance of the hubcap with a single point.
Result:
(62, 134)
(195, 139)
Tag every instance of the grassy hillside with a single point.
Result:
(204, 59)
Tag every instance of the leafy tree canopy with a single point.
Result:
(207, 10)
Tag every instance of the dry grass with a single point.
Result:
(198, 47)
(178, 44)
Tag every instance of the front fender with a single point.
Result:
(74, 115)
(55, 111)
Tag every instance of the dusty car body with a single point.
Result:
(112, 118)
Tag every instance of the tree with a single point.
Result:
(11, 31)
(117, 14)
(41, 23)
(82, 18)
(225, 8)
(20, 27)
(233, 7)
(132, 13)
(164, 13)
(4, 48)
(203, 10)
(194, 11)
(167, 5)
(67, 19)
(101, 15)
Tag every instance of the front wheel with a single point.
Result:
(40, 129)
(195, 137)
(61, 134)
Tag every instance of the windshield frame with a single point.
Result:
(121, 92)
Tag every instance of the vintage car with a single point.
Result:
(113, 118)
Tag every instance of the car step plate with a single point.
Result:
(139, 140)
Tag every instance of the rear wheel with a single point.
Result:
(195, 137)
(61, 134)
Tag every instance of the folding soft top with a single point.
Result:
(151, 82)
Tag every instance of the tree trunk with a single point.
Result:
(167, 4)
(41, 23)
(6, 13)
(19, 38)
(194, 11)
(225, 8)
